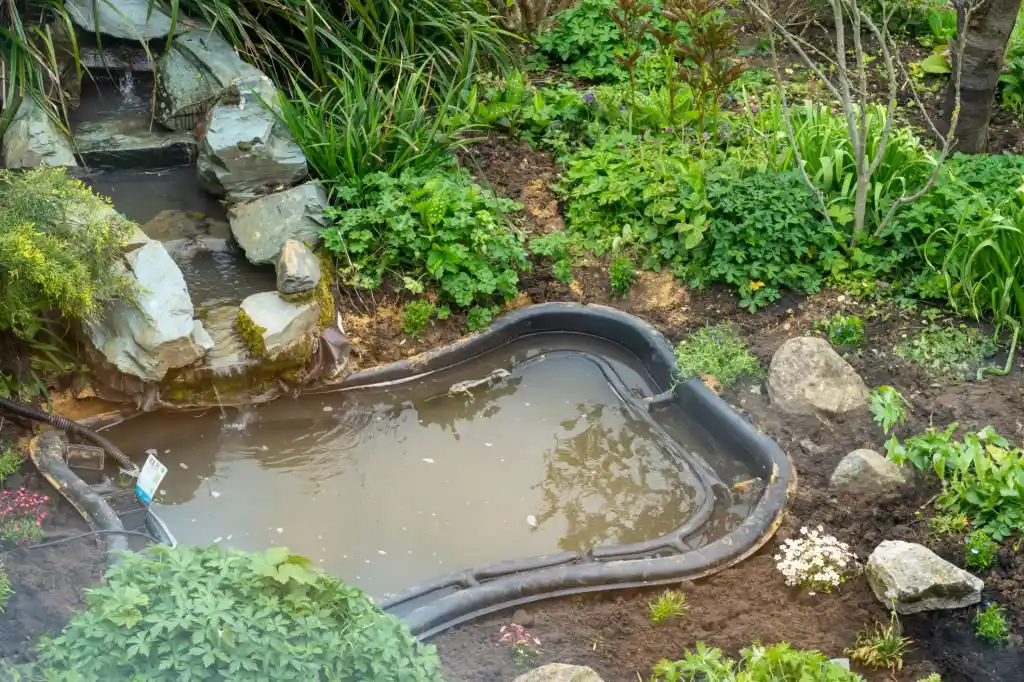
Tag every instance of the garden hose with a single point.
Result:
(35, 414)
(992, 369)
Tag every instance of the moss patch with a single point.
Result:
(323, 289)
(252, 334)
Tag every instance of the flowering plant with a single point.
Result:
(523, 644)
(816, 560)
(21, 516)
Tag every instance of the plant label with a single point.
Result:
(149, 479)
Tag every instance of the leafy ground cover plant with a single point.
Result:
(979, 550)
(669, 604)
(990, 623)
(523, 645)
(816, 560)
(887, 407)
(6, 591)
(555, 247)
(10, 462)
(844, 330)
(756, 664)
(436, 229)
(416, 317)
(717, 352)
(204, 614)
(883, 646)
(621, 275)
(946, 351)
(21, 516)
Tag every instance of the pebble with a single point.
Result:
(183, 465)
(428, 460)
(328, 408)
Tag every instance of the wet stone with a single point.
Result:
(131, 142)
(298, 270)
(33, 139)
(281, 325)
(128, 19)
(262, 227)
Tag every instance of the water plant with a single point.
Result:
(621, 275)
(979, 550)
(883, 646)
(522, 644)
(816, 560)
(21, 516)
(756, 664)
(669, 604)
(715, 351)
(270, 615)
(946, 351)
(844, 330)
(416, 316)
(990, 623)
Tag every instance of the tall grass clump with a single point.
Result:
(367, 122)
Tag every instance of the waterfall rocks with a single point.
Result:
(808, 377)
(560, 672)
(33, 139)
(274, 327)
(913, 579)
(262, 227)
(245, 151)
(298, 270)
(866, 472)
(127, 19)
(156, 332)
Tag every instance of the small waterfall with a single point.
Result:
(126, 86)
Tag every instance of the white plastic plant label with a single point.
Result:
(149, 479)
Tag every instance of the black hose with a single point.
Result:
(64, 424)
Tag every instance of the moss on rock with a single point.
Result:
(252, 334)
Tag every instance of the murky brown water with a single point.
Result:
(389, 488)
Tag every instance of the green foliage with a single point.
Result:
(887, 407)
(669, 604)
(982, 475)
(766, 234)
(979, 551)
(991, 624)
(648, 197)
(948, 524)
(756, 664)
(717, 352)
(10, 462)
(881, 647)
(480, 316)
(908, 17)
(844, 330)
(946, 351)
(6, 591)
(1011, 79)
(438, 228)
(203, 614)
(934, 677)
(417, 316)
(555, 246)
(368, 122)
(621, 275)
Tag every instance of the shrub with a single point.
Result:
(621, 275)
(979, 550)
(669, 604)
(417, 316)
(756, 664)
(648, 196)
(766, 234)
(990, 623)
(174, 614)
(944, 351)
(717, 352)
(437, 228)
(816, 560)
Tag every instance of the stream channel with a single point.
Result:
(391, 486)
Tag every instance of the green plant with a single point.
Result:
(757, 664)
(6, 591)
(718, 352)
(766, 235)
(844, 330)
(882, 647)
(479, 316)
(979, 550)
(645, 196)
(948, 524)
(621, 275)
(669, 604)
(990, 623)
(934, 677)
(438, 228)
(555, 246)
(816, 560)
(417, 316)
(521, 642)
(887, 407)
(10, 462)
(946, 351)
(365, 122)
(240, 616)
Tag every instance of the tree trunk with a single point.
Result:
(989, 29)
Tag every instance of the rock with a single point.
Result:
(128, 19)
(173, 224)
(298, 269)
(560, 672)
(261, 227)
(918, 579)
(33, 139)
(808, 377)
(158, 332)
(129, 141)
(272, 326)
(866, 471)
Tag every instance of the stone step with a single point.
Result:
(132, 141)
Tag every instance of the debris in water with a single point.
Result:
(167, 451)
(229, 537)
(183, 465)
(280, 530)
(488, 445)
(328, 408)
(217, 539)
(151, 451)
(214, 493)
(428, 460)
(532, 521)
(382, 552)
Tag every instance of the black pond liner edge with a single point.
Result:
(446, 601)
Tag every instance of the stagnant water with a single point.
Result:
(389, 488)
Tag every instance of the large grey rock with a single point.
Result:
(560, 672)
(915, 579)
(865, 471)
(129, 19)
(282, 326)
(131, 142)
(808, 377)
(298, 269)
(158, 332)
(261, 227)
(33, 139)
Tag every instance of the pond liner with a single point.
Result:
(444, 602)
